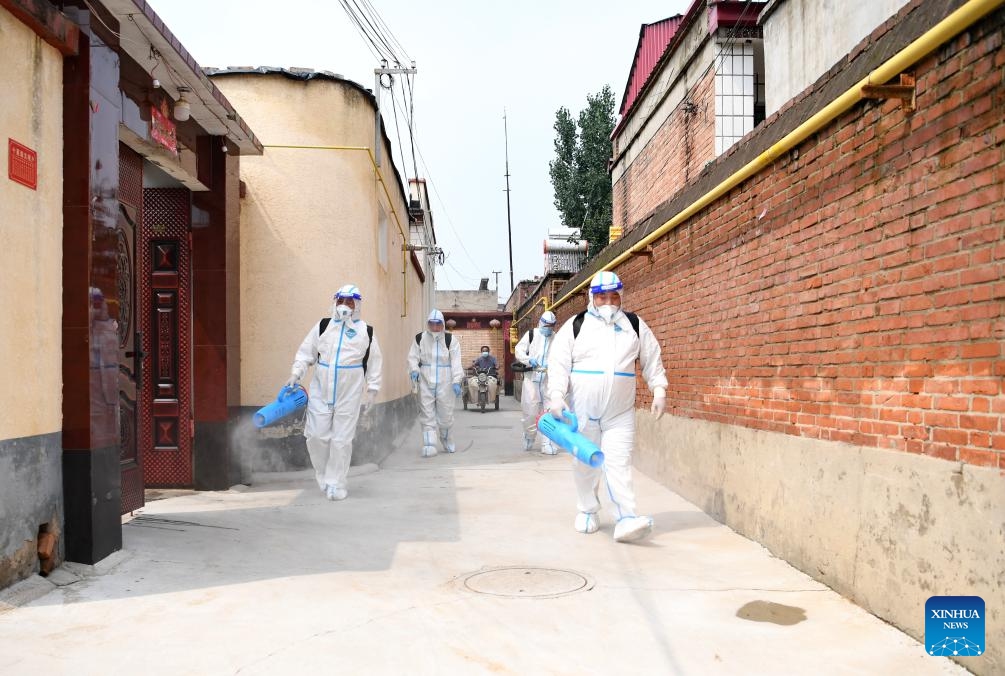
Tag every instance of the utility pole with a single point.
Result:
(509, 226)
(496, 273)
(377, 126)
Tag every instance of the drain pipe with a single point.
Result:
(952, 25)
(390, 205)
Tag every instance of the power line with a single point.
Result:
(397, 129)
(371, 45)
(411, 118)
(373, 30)
(460, 274)
(429, 179)
(386, 33)
(385, 45)
(408, 115)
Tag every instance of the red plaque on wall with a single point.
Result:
(22, 164)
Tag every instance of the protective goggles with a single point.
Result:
(609, 286)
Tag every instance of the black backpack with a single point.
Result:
(577, 323)
(418, 338)
(369, 335)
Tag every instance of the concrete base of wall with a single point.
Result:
(31, 494)
(885, 529)
(282, 447)
(217, 461)
(92, 493)
(377, 434)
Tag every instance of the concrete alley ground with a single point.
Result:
(462, 564)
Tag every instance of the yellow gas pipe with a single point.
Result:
(949, 27)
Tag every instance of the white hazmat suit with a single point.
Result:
(597, 371)
(532, 351)
(437, 367)
(337, 389)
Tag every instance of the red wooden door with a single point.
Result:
(130, 365)
(166, 411)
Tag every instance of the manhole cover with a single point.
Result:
(524, 582)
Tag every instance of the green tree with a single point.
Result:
(579, 171)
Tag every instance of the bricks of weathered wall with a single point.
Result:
(853, 291)
(472, 341)
(832, 330)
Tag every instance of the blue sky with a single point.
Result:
(474, 59)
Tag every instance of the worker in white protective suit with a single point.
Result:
(347, 365)
(434, 363)
(532, 351)
(593, 364)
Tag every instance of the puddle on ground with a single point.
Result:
(776, 613)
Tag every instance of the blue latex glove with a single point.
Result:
(457, 389)
(414, 375)
(534, 364)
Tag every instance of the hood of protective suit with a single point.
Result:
(606, 281)
(348, 291)
(547, 319)
(436, 316)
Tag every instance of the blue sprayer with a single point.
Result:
(289, 401)
(566, 435)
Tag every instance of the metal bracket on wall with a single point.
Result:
(905, 91)
(648, 251)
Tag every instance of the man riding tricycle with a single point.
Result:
(482, 386)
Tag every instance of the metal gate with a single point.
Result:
(166, 427)
(130, 369)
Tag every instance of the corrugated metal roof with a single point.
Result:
(653, 41)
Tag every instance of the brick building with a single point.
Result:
(829, 294)
(475, 318)
(696, 87)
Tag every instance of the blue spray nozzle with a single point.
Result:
(289, 401)
(566, 436)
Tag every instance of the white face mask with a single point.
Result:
(607, 312)
(546, 330)
(342, 313)
(485, 354)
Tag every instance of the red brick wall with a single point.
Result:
(855, 290)
(676, 154)
(472, 341)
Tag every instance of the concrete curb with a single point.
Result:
(24, 592)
